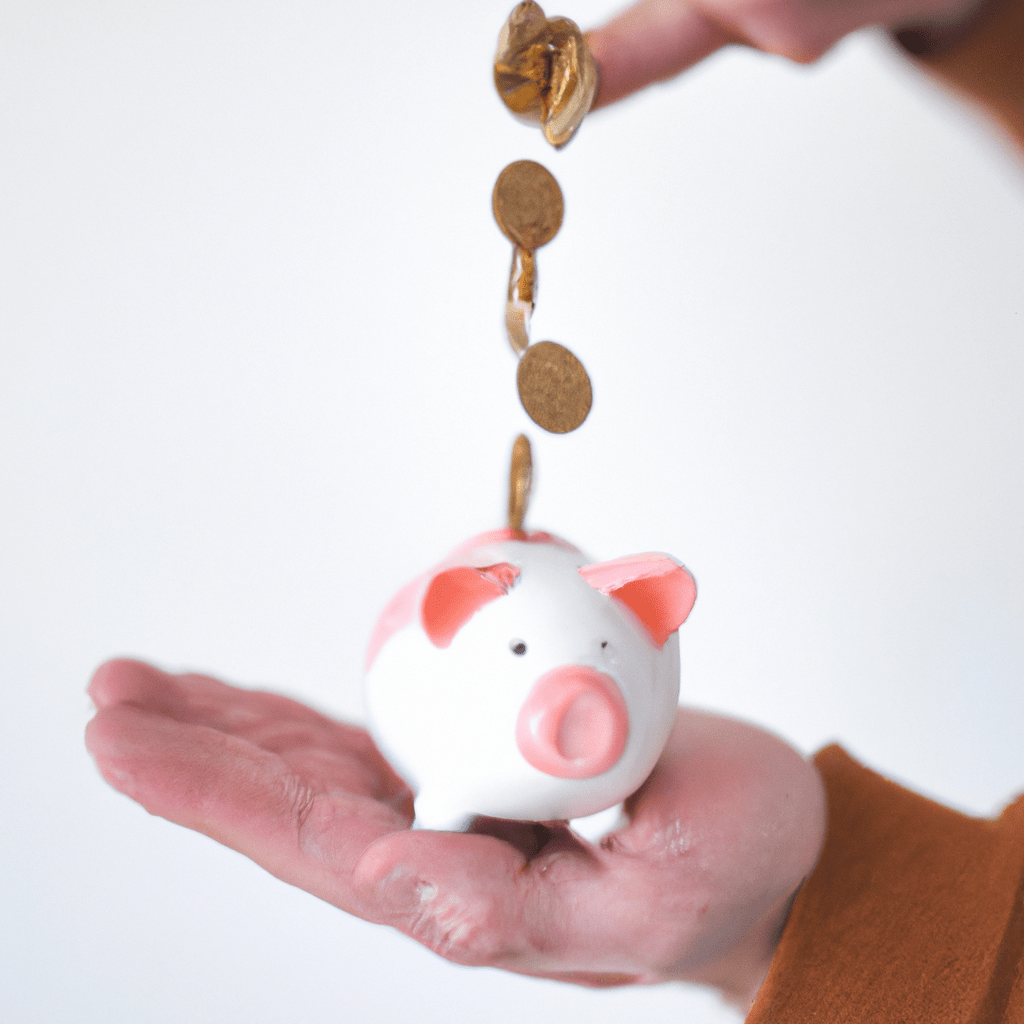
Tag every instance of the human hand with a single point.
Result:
(694, 888)
(657, 39)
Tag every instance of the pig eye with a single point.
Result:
(604, 644)
(517, 647)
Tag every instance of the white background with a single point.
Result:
(253, 377)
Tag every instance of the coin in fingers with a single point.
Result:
(544, 72)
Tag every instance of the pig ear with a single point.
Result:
(656, 588)
(455, 595)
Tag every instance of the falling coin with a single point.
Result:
(522, 290)
(544, 72)
(527, 204)
(520, 479)
(553, 387)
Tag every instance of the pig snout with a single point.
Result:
(573, 724)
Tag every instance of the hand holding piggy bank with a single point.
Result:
(517, 680)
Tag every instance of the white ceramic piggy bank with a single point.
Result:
(516, 680)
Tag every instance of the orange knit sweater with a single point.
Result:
(988, 64)
(915, 913)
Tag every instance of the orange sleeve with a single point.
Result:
(915, 913)
(987, 63)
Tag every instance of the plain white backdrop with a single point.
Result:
(253, 377)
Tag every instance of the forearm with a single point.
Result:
(983, 59)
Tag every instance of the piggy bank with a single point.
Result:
(519, 680)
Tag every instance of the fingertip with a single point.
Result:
(376, 864)
(127, 681)
(601, 43)
(651, 42)
(113, 729)
(102, 681)
(456, 858)
(118, 680)
(455, 893)
(95, 736)
(393, 887)
(405, 853)
(109, 740)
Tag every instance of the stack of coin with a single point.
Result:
(546, 75)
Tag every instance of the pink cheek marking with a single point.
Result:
(453, 597)
(574, 723)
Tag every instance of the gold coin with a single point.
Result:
(527, 204)
(553, 387)
(520, 479)
(522, 289)
(517, 326)
(544, 72)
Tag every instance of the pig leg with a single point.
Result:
(595, 827)
(439, 815)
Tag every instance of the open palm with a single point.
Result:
(694, 887)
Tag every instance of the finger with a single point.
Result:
(650, 42)
(242, 796)
(460, 895)
(195, 698)
(571, 911)
(329, 754)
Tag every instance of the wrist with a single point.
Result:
(935, 33)
(739, 976)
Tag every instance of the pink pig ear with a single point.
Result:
(656, 588)
(455, 595)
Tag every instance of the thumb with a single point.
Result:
(650, 42)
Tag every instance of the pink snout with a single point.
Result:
(574, 723)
